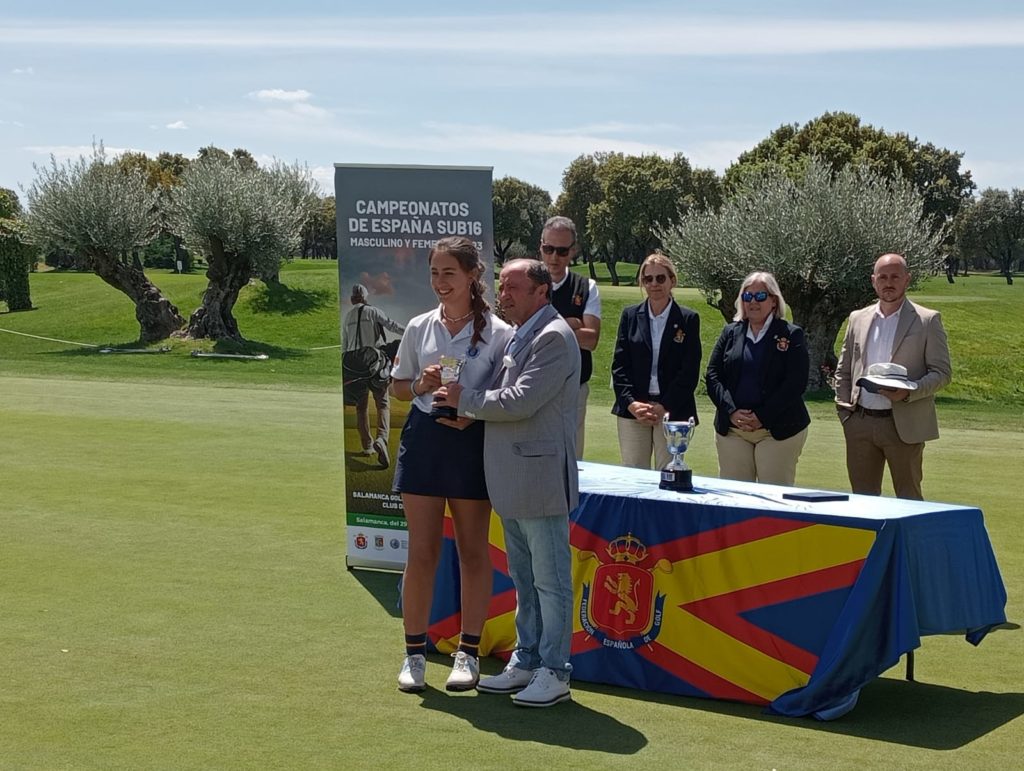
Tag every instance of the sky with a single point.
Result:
(524, 87)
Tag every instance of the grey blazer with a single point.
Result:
(530, 424)
(919, 345)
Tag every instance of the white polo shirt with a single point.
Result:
(426, 340)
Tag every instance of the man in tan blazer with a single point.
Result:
(892, 425)
(530, 466)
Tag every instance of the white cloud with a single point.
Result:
(23, 71)
(1005, 174)
(458, 136)
(324, 177)
(11, 123)
(619, 127)
(73, 152)
(178, 124)
(280, 95)
(309, 110)
(637, 34)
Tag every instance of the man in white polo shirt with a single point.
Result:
(577, 300)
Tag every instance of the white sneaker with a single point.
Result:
(511, 680)
(465, 672)
(412, 677)
(544, 690)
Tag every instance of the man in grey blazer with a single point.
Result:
(891, 426)
(530, 466)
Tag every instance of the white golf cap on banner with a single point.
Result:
(886, 375)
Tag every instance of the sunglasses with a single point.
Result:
(661, 278)
(759, 296)
(561, 251)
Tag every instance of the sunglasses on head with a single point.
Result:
(661, 278)
(561, 251)
(759, 296)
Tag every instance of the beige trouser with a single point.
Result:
(380, 400)
(871, 443)
(753, 456)
(638, 440)
(581, 419)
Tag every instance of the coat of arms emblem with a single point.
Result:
(620, 606)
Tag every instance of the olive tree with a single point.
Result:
(15, 254)
(819, 234)
(102, 212)
(245, 220)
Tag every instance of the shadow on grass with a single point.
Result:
(252, 347)
(184, 348)
(278, 298)
(571, 725)
(927, 716)
(915, 714)
(118, 348)
(382, 585)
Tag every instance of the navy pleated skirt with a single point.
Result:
(440, 461)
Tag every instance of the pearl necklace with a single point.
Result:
(450, 320)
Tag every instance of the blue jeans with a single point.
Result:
(540, 565)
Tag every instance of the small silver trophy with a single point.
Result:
(678, 435)
(451, 368)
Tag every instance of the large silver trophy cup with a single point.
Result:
(451, 368)
(678, 435)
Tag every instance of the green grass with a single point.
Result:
(173, 591)
(298, 326)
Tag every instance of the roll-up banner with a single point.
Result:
(389, 218)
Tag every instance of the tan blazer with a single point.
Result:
(920, 346)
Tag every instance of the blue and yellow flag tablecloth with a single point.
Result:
(733, 592)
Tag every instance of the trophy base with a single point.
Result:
(680, 480)
(444, 412)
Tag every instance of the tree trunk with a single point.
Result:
(821, 327)
(182, 256)
(158, 317)
(214, 319)
(499, 252)
(1006, 264)
(611, 271)
(610, 257)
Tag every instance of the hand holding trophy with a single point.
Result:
(451, 368)
(678, 435)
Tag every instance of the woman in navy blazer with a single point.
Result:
(756, 378)
(654, 376)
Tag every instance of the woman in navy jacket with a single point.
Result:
(756, 378)
(654, 375)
